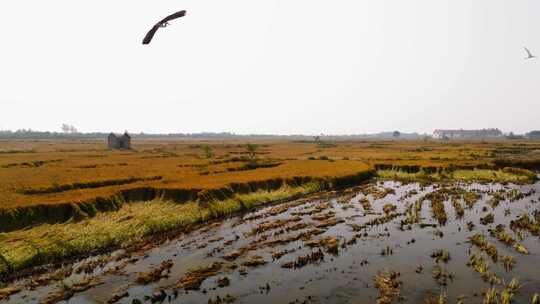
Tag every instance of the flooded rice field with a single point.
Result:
(384, 242)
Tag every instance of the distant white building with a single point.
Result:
(533, 135)
(119, 141)
(467, 134)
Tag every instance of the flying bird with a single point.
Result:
(162, 23)
(529, 54)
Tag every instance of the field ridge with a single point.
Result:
(26, 216)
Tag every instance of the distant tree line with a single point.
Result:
(69, 131)
(32, 134)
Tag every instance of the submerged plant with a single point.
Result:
(508, 262)
(471, 198)
(437, 199)
(382, 219)
(366, 204)
(6, 292)
(480, 241)
(438, 212)
(488, 219)
(413, 213)
(507, 239)
(388, 284)
(193, 279)
(477, 262)
(490, 297)
(509, 291)
(460, 212)
(496, 198)
(387, 251)
(441, 275)
(524, 222)
(387, 208)
(440, 299)
(155, 274)
(441, 255)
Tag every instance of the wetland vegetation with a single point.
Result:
(192, 225)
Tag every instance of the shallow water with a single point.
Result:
(339, 278)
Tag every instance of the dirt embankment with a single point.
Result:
(22, 217)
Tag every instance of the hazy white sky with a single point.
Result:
(270, 66)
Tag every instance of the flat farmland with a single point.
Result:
(64, 199)
(29, 168)
(26, 168)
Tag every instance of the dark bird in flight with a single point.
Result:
(162, 23)
(529, 54)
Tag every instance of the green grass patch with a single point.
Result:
(132, 223)
(506, 175)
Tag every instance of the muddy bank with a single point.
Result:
(53, 245)
(499, 164)
(376, 243)
(456, 173)
(23, 217)
(19, 218)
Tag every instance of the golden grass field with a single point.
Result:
(181, 164)
(38, 175)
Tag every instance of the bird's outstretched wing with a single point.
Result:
(154, 29)
(529, 54)
(150, 34)
(173, 16)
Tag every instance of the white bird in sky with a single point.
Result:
(529, 54)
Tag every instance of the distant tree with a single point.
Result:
(317, 138)
(208, 151)
(68, 129)
(252, 150)
(396, 134)
(65, 128)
